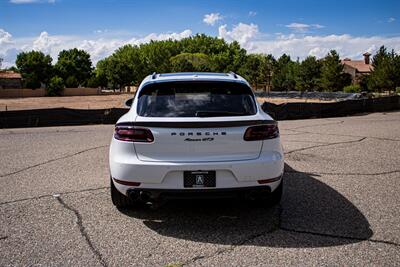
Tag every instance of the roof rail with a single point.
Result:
(233, 74)
(153, 76)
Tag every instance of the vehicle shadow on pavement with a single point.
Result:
(308, 206)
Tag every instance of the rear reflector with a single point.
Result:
(126, 182)
(261, 132)
(129, 133)
(267, 181)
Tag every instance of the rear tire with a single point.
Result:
(118, 199)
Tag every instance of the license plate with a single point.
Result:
(199, 178)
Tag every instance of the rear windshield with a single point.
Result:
(196, 99)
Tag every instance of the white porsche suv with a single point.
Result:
(195, 135)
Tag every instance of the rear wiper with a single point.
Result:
(218, 113)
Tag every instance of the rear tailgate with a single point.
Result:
(197, 141)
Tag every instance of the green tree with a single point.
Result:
(35, 67)
(190, 62)
(386, 69)
(309, 74)
(55, 86)
(267, 66)
(332, 76)
(156, 54)
(74, 66)
(100, 73)
(284, 74)
(123, 68)
(72, 82)
(252, 69)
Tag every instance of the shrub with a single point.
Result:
(55, 86)
(92, 82)
(354, 88)
(71, 82)
(398, 90)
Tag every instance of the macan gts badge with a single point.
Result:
(190, 135)
(199, 134)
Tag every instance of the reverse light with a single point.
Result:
(129, 133)
(261, 132)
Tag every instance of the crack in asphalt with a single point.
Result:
(52, 160)
(83, 231)
(340, 236)
(8, 132)
(316, 125)
(345, 173)
(348, 135)
(228, 249)
(52, 195)
(324, 145)
(239, 243)
(3, 237)
(305, 141)
(280, 227)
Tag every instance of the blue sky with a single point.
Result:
(299, 28)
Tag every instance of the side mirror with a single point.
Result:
(128, 102)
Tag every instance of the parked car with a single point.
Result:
(191, 135)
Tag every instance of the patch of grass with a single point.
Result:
(174, 264)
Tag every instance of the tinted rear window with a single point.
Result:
(196, 99)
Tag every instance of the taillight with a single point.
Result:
(129, 133)
(261, 132)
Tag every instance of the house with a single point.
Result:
(10, 80)
(357, 68)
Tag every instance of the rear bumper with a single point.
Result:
(156, 194)
(152, 175)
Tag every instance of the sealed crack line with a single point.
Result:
(325, 145)
(8, 132)
(53, 195)
(239, 243)
(83, 231)
(3, 237)
(228, 249)
(345, 173)
(315, 125)
(52, 160)
(339, 236)
(348, 135)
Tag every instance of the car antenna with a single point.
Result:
(233, 74)
(153, 76)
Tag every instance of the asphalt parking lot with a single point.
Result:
(341, 203)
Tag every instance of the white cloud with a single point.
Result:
(99, 46)
(391, 19)
(252, 13)
(211, 19)
(46, 43)
(32, 1)
(248, 35)
(317, 26)
(242, 33)
(302, 27)
(160, 37)
(5, 37)
(316, 45)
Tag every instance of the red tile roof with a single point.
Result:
(359, 65)
(9, 75)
